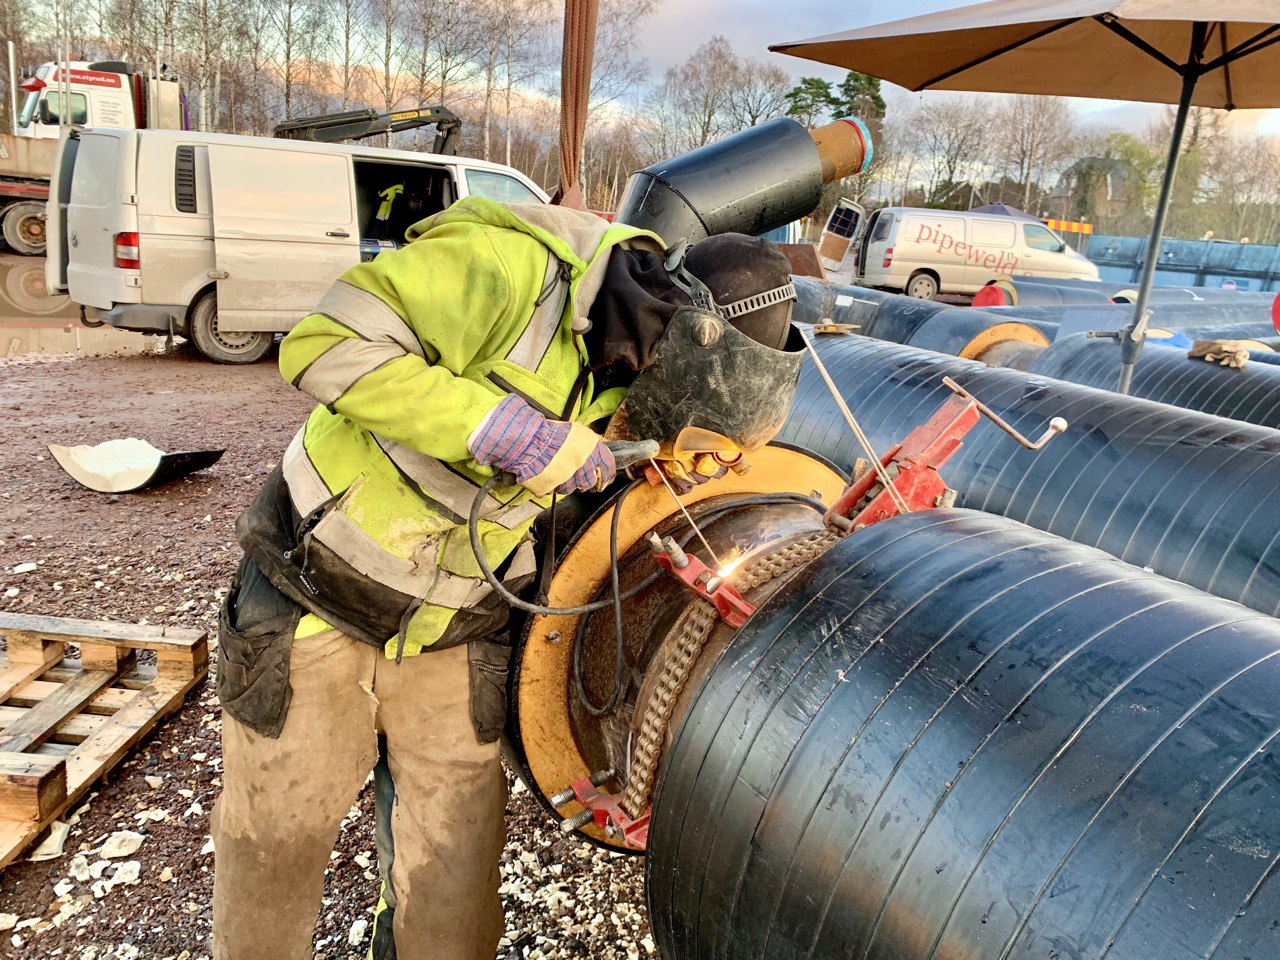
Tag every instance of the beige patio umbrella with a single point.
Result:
(1158, 51)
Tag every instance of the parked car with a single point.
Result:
(229, 240)
(926, 252)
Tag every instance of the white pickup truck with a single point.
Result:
(228, 240)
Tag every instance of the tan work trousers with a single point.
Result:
(283, 802)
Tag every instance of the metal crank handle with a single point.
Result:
(1056, 426)
(627, 453)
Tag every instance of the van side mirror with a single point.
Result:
(44, 114)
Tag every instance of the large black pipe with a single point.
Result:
(1114, 288)
(758, 179)
(956, 738)
(891, 316)
(1204, 321)
(1168, 375)
(1015, 292)
(1045, 291)
(927, 323)
(1192, 496)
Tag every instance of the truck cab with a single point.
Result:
(69, 96)
(107, 93)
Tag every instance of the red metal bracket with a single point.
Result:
(609, 816)
(694, 574)
(912, 467)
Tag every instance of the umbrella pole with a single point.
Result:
(1134, 335)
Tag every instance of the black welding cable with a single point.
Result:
(618, 651)
(473, 530)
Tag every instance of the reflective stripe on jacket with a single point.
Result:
(406, 356)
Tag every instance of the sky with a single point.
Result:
(679, 26)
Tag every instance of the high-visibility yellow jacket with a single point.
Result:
(406, 355)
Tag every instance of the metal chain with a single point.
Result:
(693, 629)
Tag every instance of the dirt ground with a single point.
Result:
(165, 556)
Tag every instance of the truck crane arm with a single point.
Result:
(358, 124)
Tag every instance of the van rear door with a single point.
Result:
(284, 225)
(56, 248)
(103, 206)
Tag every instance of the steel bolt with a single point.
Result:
(554, 636)
(577, 821)
(561, 798)
(675, 553)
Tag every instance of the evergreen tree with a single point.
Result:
(859, 96)
(811, 101)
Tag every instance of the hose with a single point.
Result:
(473, 531)
(618, 657)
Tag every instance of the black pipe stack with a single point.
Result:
(957, 738)
(1194, 497)
(1168, 375)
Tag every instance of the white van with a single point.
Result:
(228, 240)
(926, 252)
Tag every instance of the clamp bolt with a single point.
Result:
(577, 821)
(678, 556)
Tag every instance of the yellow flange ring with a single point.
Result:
(1001, 333)
(545, 681)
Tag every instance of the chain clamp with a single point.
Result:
(701, 580)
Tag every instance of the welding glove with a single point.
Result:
(543, 455)
(683, 479)
(1229, 353)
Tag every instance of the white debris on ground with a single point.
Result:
(125, 843)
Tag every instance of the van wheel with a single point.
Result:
(224, 346)
(922, 286)
(23, 227)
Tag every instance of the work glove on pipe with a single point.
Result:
(543, 455)
(1229, 353)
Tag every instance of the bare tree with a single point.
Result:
(699, 91)
(385, 25)
(618, 73)
(289, 19)
(758, 93)
(1033, 135)
(524, 29)
(346, 32)
(949, 138)
(458, 41)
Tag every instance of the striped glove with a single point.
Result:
(543, 455)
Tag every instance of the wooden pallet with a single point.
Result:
(64, 723)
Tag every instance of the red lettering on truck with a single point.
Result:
(89, 78)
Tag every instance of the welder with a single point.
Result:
(498, 341)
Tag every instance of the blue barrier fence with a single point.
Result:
(1192, 263)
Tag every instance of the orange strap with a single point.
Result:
(575, 95)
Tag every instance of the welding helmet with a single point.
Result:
(746, 280)
(726, 368)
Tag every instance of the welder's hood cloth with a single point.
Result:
(631, 312)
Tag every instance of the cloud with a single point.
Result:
(679, 26)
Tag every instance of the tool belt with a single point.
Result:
(268, 597)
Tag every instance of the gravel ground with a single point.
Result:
(165, 556)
